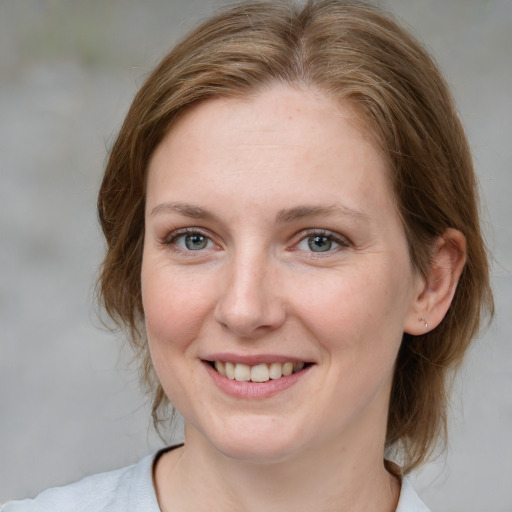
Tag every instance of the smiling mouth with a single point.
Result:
(257, 373)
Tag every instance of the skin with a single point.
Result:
(257, 178)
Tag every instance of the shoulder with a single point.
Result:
(123, 490)
(409, 500)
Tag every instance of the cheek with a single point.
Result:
(357, 309)
(175, 307)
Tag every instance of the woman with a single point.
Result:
(293, 245)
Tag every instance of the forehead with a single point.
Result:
(280, 109)
(282, 140)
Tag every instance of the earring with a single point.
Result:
(425, 322)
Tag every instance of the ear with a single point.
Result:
(434, 294)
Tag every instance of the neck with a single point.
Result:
(326, 477)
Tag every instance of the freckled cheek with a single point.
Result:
(175, 309)
(346, 311)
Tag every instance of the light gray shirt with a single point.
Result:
(131, 489)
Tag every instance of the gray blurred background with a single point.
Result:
(69, 398)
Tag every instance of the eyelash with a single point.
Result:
(175, 235)
(341, 241)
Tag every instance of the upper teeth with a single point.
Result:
(256, 373)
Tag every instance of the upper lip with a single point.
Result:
(253, 359)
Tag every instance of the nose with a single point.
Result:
(250, 302)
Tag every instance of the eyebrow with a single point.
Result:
(306, 211)
(282, 217)
(186, 209)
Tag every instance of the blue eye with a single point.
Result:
(192, 241)
(320, 242)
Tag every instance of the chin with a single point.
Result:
(254, 439)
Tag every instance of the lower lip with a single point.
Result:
(254, 390)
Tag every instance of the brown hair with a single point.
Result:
(354, 52)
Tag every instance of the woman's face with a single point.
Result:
(273, 245)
